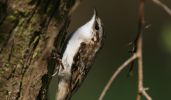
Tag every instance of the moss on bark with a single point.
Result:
(27, 36)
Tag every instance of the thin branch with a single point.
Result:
(139, 42)
(146, 95)
(141, 89)
(136, 55)
(115, 74)
(163, 6)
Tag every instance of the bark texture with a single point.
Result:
(28, 45)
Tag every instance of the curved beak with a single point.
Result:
(95, 13)
(95, 16)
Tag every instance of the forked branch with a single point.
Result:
(115, 74)
(136, 55)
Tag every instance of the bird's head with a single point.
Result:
(92, 27)
(97, 24)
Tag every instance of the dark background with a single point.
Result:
(120, 23)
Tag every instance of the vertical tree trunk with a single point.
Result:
(28, 32)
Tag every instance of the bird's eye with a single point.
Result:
(96, 26)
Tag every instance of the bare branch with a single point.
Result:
(115, 74)
(136, 55)
(146, 95)
(163, 6)
(139, 43)
(141, 89)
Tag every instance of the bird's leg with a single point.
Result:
(59, 61)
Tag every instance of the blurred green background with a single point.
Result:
(120, 24)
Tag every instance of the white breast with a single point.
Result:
(83, 34)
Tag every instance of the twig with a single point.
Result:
(115, 74)
(136, 55)
(163, 6)
(141, 89)
(139, 43)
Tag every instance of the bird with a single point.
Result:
(79, 53)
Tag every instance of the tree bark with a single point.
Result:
(29, 31)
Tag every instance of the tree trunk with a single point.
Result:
(28, 45)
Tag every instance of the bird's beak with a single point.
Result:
(95, 12)
(95, 15)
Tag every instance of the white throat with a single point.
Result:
(83, 34)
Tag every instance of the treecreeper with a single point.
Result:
(78, 55)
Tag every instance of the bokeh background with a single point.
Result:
(120, 23)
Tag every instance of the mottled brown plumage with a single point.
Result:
(73, 75)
